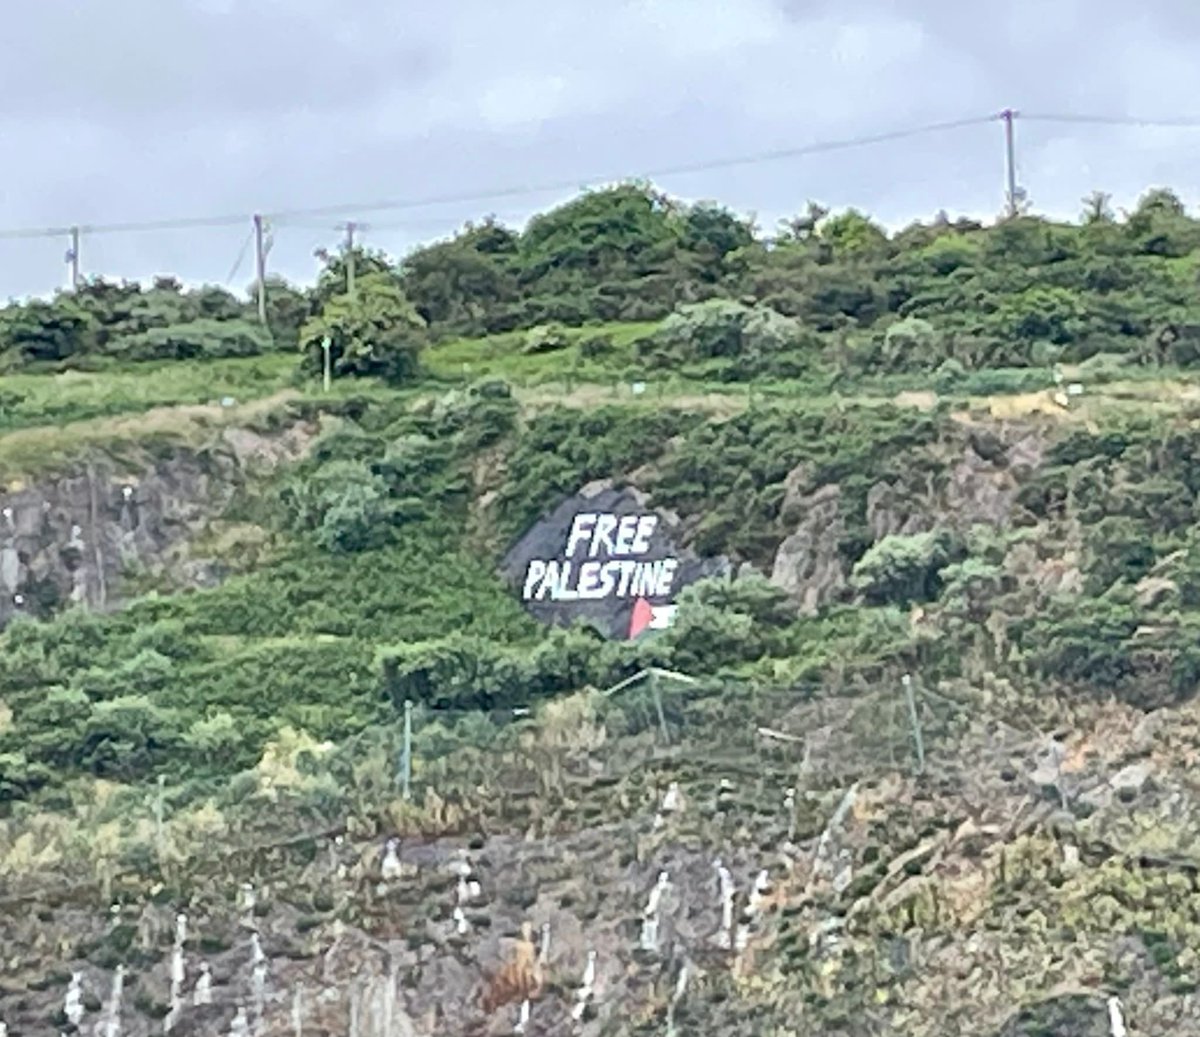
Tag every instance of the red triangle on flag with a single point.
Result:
(643, 615)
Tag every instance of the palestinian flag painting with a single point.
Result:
(649, 617)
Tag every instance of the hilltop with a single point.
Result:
(934, 668)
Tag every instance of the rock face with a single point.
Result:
(76, 537)
(1072, 1016)
(807, 564)
(604, 557)
(980, 487)
(400, 955)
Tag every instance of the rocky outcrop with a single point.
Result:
(1076, 1015)
(807, 564)
(75, 538)
(980, 487)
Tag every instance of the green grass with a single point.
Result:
(124, 439)
(502, 356)
(33, 400)
(48, 419)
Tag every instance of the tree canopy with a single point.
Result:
(1027, 291)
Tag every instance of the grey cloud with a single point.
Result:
(182, 62)
(144, 109)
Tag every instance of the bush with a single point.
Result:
(198, 339)
(344, 504)
(547, 338)
(480, 415)
(458, 672)
(900, 570)
(723, 621)
(357, 519)
(949, 375)
(909, 344)
(754, 340)
(596, 345)
(466, 672)
(376, 333)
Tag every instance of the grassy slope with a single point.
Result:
(349, 606)
(304, 617)
(59, 413)
(33, 400)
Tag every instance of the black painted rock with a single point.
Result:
(606, 559)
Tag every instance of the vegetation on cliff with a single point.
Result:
(876, 429)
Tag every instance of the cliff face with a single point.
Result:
(1034, 856)
(1004, 893)
(977, 483)
(79, 536)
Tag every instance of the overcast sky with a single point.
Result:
(140, 110)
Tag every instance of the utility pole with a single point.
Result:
(658, 706)
(653, 675)
(918, 740)
(350, 229)
(326, 346)
(260, 267)
(298, 1010)
(406, 754)
(73, 259)
(1010, 161)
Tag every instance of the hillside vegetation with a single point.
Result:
(959, 455)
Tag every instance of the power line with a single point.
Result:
(516, 191)
(1109, 120)
(681, 170)
(125, 228)
(297, 216)
(241, 257)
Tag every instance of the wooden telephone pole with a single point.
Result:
(260, 267)
(1010, 162)
(350, 229)
(73, 259)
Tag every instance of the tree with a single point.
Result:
(334, 277)
(288, 308)
(1050, 314)
(465, 285)
(375, 333)
(708, 234)
(41, 330)
(852, 235)
(216, 303)
(600, 256)
(126, 308)
(1160, 225)
(803, 227)
(1097, 208)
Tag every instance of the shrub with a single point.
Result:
(753, 339)
(900, 570)
(374, 333)
(596, 345)
(198, 339)
(458, 672)
(357, 519)
(949, 375)
(480, 415)
(723, 621)
(546, 338)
